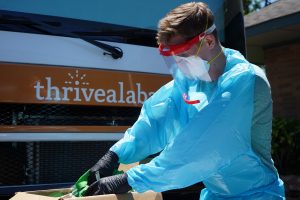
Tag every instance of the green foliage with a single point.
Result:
(285, 144)
(251, 5)
(254, 5)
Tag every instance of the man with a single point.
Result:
(212, 123)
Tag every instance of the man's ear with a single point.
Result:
(210, 41)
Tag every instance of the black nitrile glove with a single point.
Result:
(116, 184)
(104, 167)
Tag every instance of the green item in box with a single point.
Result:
(81, 186)
(56, 194)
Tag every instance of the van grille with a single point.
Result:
(47, 162)
(24, 163)
(57, 114)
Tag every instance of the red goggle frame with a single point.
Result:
(176, 49)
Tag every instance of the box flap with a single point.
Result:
(39, 195)
(128, 196)
(28, 196)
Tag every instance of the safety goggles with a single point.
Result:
(171, 50)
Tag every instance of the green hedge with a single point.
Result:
(286, 145)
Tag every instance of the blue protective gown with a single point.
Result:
(224, 141)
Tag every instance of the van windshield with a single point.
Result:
(132, 13)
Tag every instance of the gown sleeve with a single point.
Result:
(145, 137)
(215, 137)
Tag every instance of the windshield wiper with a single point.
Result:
(113, 51)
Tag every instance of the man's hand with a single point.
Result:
(104, 167)
(116, 184)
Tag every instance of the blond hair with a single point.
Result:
(186, 20)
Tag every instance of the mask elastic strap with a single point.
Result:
(212, 60)
(208, 31)
(203, 37)
(198, 51)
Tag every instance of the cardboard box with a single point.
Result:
(44, 194)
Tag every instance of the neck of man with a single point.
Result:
(218, 63)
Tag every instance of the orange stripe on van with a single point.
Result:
(43, 84)
(65, 129)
